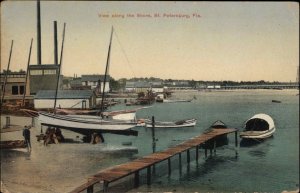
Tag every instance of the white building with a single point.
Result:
(94, 80)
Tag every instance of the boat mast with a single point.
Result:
(27, 72)
(5, 81)
(59, 68)
(106, 70)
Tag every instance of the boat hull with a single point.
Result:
(77, 123)
(257, 134)
(186, 123)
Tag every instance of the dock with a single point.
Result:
(134, 167)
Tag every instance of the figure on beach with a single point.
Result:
(26, 135)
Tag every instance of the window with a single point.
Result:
(14, 90)
(22, 89)
(49, 71)
(36, 72)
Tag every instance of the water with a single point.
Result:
(272, 166)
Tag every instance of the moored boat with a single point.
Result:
(260, 126)
(276, 101)
(220, 140)
(176, 100)
(176, 124)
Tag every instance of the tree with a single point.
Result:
(114, 85)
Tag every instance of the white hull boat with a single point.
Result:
(177, 124)
(260, 126)
(83, 124)
(176, 100)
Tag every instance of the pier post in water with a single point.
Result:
(105, 186)
(236, 143)
(180, 165)
(90, 189)
(153, 139)
(136, 179)
(197, 153)
(149, 175)
(169, 166)
(215, 145)
(188, 156)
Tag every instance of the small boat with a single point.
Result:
(260, 126)
(276, 101)
(220, 140)
(176, 100)
(12, 144)
(176, 124)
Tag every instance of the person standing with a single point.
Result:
(26, 135)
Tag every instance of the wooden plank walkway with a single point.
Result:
(120, 171)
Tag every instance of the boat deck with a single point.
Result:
(120, 171)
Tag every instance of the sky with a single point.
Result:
(238, 41)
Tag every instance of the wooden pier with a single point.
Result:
(134, 167)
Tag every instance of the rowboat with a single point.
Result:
(260, 126)
(176, 100)
(176, 124)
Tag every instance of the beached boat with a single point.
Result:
(176, 124)
(13, 144)
(83, 124)
(260, 126)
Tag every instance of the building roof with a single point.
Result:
(94, 78)
(64, 94)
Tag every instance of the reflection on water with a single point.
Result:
(254, 142)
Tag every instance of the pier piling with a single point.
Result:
(197, 153)
(215, 145)
(136, 179)
(180, 165)
(149, 175)
(236, 143)
(169, 166)
(90, 189)
(105, 186)
(188, 156)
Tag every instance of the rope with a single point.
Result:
(124, 54)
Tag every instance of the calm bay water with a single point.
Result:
(272, 166)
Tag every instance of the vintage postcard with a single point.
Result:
(149, 96)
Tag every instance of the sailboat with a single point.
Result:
(89, 124)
